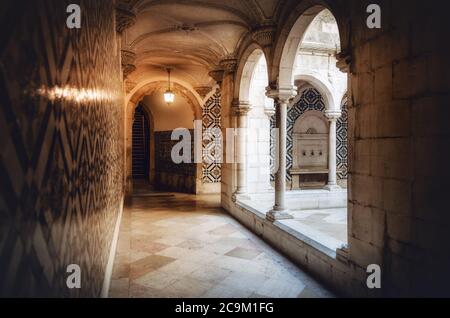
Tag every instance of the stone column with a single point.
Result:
(240, 110)
(126, 18)
(282, 96)
(332, 177)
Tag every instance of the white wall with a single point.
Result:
(258, 142)
(316, 56)
(167, 118)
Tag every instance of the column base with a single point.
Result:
(275, 215)
(332, 187)
(238, 195)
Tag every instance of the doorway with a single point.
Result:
(141, 145)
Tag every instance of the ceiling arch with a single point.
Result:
(160, 85)
(192, 37)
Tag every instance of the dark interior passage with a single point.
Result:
(141, 144)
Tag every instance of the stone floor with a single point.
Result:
(178, 245)
(326, 225)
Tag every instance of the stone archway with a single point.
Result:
(252, 110)
(291, 34)
(133, 101)
(142, 146)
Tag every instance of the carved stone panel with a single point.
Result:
(310, 142)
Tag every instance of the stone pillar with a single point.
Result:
(240, 110)
(282, 96)
(332, 177)
(126, 18)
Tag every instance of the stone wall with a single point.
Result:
(62, 153)
(399, 147)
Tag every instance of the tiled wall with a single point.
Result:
(342, 142)
(61, 159)
(169, 175)
(311, 99)
(211, 118)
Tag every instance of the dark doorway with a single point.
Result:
(141, 145)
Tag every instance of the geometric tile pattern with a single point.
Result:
(211, 119)
(341, 142)
(62, 152)
(184, 246)
(273, 150)
(310, 99)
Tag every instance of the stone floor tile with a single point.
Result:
(157, 279)
(243, 253)
(186, 246)
(188, 287)
(212, 275)
(276, 288)
(119, 288)
(148, 264)
(180, 267)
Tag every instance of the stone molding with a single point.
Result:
(240, 108)
(333, 115)
(269, 111)
(282, 94)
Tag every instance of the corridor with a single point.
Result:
(273, 141)
(180, 245)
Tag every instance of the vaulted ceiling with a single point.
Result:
(190, 36)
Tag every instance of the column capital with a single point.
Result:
(203, 90)
(344, 62)
(264, 34)
(269, 111)
(128, 62)
(282, 94)
(217, 75)
(240, 108)
(229, 64)
(333, 115)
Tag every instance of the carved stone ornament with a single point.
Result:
(229, 64)
(128, 62)
(264, 35)
(344, 62)
(217, 75)
(203, 90)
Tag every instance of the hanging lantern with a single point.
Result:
(169, 96)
